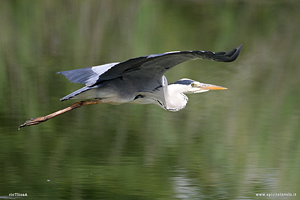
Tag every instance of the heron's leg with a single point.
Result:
(35, 121)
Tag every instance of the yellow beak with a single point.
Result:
(212, 87)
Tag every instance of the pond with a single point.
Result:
(240, 143)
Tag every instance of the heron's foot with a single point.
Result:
(33, 121)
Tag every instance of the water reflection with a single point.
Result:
(184, 187)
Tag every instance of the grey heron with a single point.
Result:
(138, 80)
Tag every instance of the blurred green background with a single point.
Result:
(231, 144)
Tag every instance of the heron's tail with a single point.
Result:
(75, 93)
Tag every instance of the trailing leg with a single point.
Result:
(38, 120)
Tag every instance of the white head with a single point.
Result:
(189, 86)
(174, 94)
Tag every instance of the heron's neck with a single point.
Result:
(174, 98)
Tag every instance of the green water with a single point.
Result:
(233, 144)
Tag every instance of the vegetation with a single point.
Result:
(227, 144)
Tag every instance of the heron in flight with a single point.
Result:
(138, 80)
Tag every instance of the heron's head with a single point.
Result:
(189, 86)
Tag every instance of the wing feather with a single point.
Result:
(87, 76)
(154, 65)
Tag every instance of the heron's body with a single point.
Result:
(152, 93)
(138, 80)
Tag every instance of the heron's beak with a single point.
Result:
(212, 87)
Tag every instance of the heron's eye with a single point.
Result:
(194, 85)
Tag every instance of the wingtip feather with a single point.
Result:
(231, 55)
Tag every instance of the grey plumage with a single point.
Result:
(130, 80)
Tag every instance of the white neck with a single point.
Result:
(169, 97)
(174, 99)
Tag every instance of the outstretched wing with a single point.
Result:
(154, 65)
